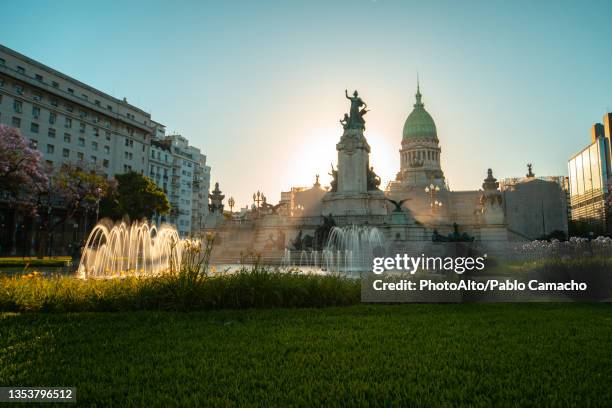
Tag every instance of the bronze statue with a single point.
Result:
(355, 118)
(334, 183)
(398, 204)
(345, 121)
(373, 180)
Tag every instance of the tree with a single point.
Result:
(21, 169)
(136, 196)
(74, 188)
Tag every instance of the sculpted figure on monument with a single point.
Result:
(334, 183)
(373, 180)
(345, 121)
(355, 120)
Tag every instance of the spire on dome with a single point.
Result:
(418, 94)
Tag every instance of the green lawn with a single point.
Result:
(32, 261)
(395, 355)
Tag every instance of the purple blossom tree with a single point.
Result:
(74, 189)
(21, 169)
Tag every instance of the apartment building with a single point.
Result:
(190, 183)
(69, 121)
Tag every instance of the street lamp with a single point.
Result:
(231, 203)
(259, 198)
(433, 191)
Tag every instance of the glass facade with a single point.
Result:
(588, 172)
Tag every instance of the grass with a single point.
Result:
(476, 355)
(256, 287)
(56, 261)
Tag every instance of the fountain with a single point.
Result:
(348, 250)
(139, 249)
(354, 247)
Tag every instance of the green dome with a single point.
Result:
(419, 124)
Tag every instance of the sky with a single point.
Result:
(259, 85)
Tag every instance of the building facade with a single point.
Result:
(71, 122)
(589, 172)
(189, 185)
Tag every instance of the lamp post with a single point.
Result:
(259, 198)
(231, 203)
(433, 191)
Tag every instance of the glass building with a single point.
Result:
(589, 171)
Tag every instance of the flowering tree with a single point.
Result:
(21, 170)
(74, 188)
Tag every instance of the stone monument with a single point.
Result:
(354, 189)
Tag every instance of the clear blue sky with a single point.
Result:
(259, 85)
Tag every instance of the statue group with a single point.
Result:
(355, 119)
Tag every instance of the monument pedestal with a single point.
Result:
(366, 203)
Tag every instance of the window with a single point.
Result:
(39, 77)
(94, 159)
(110, 108)
(50, 148)
(69, 108)
(52, 117)
(94, 145)
(66, 153)
(126, 168)
(97, 102)
(96, 119)
(68, 123)
(128, 155)
(107, 149)
(55, 84)
(80, 156)
(129, 143)
(96, 132)
(84, 96)
(49, 163)
(19, 89)
(35, 112)
(71, 91)
(34, 127)
(54, 102)
(51, 133)
(17, 106)
(16, 122)
(81, 141)
(33, 144)
(2, 61)
(108, 135)
(21, 70)
(37, 96)
(82, 127)
(105, 163)
(82, 114)
(0, 98)
(67, 137)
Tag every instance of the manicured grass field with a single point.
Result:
(31, 261)
(365, 355)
